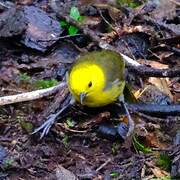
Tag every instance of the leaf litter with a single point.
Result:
(149, 33)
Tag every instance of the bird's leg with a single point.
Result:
(130, 120)
(45, 127)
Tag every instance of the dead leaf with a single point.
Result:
(157, 65)
(64, 174)
(162, 85)
(153, 95)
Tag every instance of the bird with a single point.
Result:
(96, 79)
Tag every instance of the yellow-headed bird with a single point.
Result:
(97, 78)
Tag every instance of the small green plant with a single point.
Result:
(8, 163)
(74, 14)
(64, 24)
(27, 126)
(114, 174)
(115, 147)
(130, 3)
(140, 147)
(65, 140)
(42, 84)
(24, 77)
(70, 123)
(164, 161)
(72, 30)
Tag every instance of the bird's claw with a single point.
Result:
(131, 124)
(45, 127)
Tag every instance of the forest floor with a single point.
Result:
(37, 47)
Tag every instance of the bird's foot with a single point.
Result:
(45, 127)
(131, 124)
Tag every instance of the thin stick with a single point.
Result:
(29, 96)
(104, 164)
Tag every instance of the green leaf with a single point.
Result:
(74, 14)
(114, 174)
(8, 163)
(140, 147)
(65, 140)
(115, 147)
(64, 24)
(24, 77)
(164, 161)
(72, 30)
(42, 84)
(130, 3)
(27, 126)
(70, 123)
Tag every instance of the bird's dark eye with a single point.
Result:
(90, 84)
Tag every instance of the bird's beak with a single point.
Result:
(82, 97)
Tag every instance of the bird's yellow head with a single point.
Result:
(85, 81)
(97, 78)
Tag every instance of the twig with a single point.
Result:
(29, 96)
(103, 165)
(106, 21)
(58, 38)
(11, 90)
(64, 126)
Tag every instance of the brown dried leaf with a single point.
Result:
(64, 174)
(162, 85)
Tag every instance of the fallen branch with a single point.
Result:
(155, 109)
(29, 96)
(146, 71)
